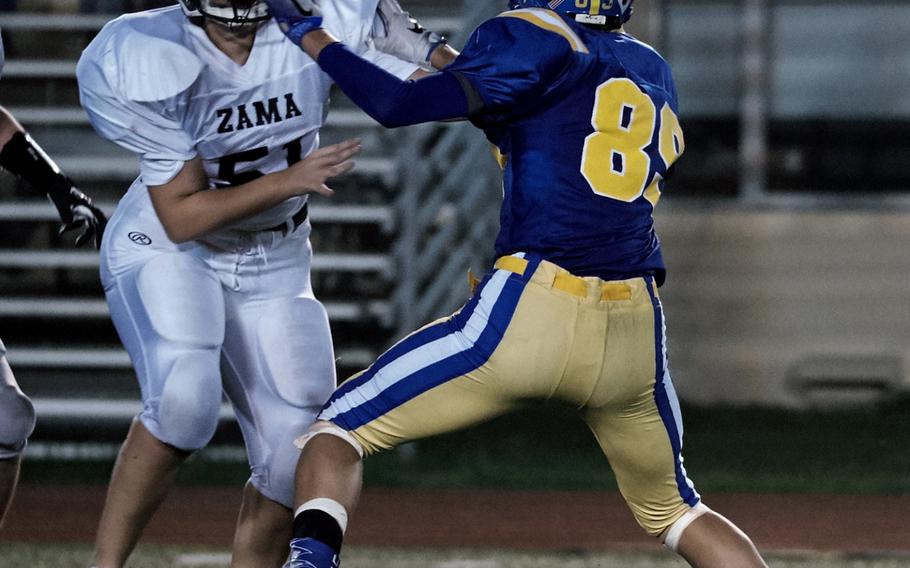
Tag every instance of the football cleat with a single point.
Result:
(595, 12)
(310, 553)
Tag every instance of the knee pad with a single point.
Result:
(269, 445)
(17, 421)
(185, 412)
(330, 428)
(674, 533)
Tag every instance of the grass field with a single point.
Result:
(846, 451)
(59, 556)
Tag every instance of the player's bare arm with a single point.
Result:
(188, 208)
(440, 58)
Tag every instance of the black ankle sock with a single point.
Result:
(313, 523)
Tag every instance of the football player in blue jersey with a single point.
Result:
(585, 118)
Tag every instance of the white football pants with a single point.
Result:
(197, 320)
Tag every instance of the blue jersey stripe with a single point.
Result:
(664, 406)
(413, 341)
(447, 368)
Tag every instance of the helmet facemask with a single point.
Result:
(233, 14)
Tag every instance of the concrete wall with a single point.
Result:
(786, 307)
(828, 59)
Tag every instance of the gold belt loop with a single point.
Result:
(473, 281)
(571, 284)
(513, 264)
(614, 291)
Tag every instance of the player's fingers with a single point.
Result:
(349, 143)
(339, 152)
(323, 189)
(71, 226)
(345, 155)
(341, 168)
(85, 236)
(99, 215)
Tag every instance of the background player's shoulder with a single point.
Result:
(145, 56)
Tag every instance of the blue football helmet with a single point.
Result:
(597, 12)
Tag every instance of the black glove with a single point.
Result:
(22, 156)
(78, 213)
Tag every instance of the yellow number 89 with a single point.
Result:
(614, 160)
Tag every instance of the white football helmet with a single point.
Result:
(231, 13)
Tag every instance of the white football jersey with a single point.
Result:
(154, 83)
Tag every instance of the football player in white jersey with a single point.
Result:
(206, 261)
(22, 156)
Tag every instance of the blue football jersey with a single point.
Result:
(586, 125)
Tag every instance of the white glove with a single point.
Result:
(395, 32)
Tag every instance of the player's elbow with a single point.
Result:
(392, 110)
(177, 231)
(179, 236)
(389, 116)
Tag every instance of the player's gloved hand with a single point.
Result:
(78, 213)
(296, 18)
(395, 32)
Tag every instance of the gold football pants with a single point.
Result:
(532, 330)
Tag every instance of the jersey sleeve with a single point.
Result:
(132, 100)
(511, 62)
(398, 67)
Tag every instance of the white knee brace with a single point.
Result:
(326, 427)
(676, 529)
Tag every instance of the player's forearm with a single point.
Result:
(383, 96)
(22, 156)
(188, 209)
(314, 42)
(189, 216)
(443, 56)
(8, 126)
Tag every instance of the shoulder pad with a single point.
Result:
(145, 59)
(549, 21)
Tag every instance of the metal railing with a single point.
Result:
(447, 208)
